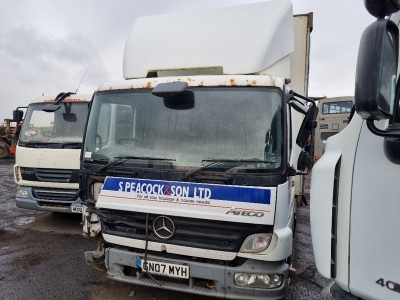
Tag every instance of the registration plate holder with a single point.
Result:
(165, 269)
(78, 209)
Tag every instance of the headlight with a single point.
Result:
(262, 281)
(22, 194)
(256, 243)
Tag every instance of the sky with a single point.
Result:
(47, 45)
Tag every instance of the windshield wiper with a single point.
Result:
(218, 161)
(144, 158)
(122, 159)
(36, 144)
(28, 144)
(72, 145)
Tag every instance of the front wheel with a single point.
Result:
(4, 150)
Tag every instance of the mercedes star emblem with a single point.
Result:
(163, 227)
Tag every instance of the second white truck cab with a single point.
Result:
(355, 199)
(47, 155)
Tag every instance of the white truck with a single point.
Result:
(47, 157)
(188, 165)
(355, 203)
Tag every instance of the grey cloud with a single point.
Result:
(36, 58)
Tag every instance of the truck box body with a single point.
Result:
(210, 162)
(47, 159)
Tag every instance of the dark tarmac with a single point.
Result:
(41, 257)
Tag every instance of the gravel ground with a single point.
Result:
(308, 283)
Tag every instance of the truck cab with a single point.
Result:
(47, 155)
(354, 188)
(188, 165)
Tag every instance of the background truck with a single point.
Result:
(188, 165)
(333, 117)
(355, 201)
(9, 133)
(47, 159)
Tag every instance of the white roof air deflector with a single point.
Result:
(241, 39)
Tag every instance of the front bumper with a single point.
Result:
(224, 287)
(53, 205)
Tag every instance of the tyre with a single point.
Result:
(4, 150)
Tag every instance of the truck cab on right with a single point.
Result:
(355, 199)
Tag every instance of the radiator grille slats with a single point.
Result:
(206, 234)
(53, 175)
(55, 194)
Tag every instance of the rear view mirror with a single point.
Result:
(69, 117)
(376, 72)
(307, 126)
(18, 115)
(184, 100)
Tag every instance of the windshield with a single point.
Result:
(221, 123)
(65, 125)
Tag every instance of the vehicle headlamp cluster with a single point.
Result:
(22, 193)
(262, 281)
(256, 243)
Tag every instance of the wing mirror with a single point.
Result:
(376, 77)
(376, 72)
(18, 115)
(307, 126)
(305, 136)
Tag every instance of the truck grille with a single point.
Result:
(199, 233)
(53, 175)
(55, 194)
(50, 175)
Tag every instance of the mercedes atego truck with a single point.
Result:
(188, 165)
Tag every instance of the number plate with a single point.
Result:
(76, 209)
(165, 269)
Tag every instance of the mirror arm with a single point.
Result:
(385, 133)
(304, 173)
(302, 97)
(61, 96)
